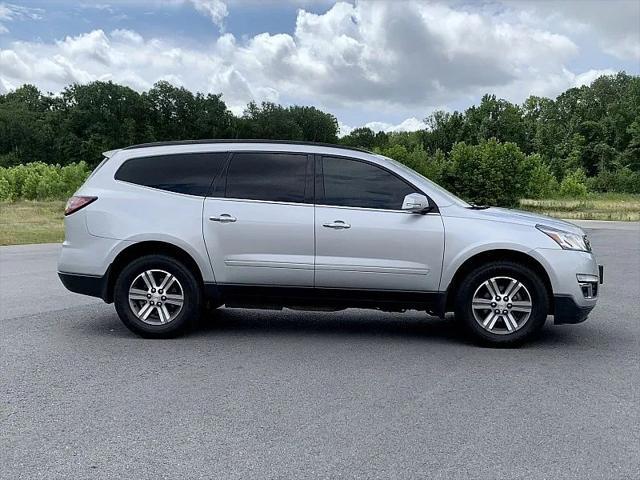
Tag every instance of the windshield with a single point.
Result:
(445, 193)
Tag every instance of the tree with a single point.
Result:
(632, 152)
(495, 118)
(89, 119)
(315, 125)
(444, 129)
(271, 121)
(25, 133)
(362, 137)
(173, 113)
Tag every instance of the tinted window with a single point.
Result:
(356, 184)
(276, 177)
(190, 173)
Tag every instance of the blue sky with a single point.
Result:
(179, 19)
(387, 64)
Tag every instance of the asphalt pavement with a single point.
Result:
(288, 394)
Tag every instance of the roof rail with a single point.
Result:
(233, 140)
(110, 153)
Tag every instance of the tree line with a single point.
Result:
(588, 138)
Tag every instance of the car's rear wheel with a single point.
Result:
(156, 296)
(502, 303)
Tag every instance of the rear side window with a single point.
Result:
(190, 173)
(351, 183)
(275, 177)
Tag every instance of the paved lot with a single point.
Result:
(355, 394)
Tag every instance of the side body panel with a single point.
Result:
(467, 237)
(135, 213)
(83, 253)
(381, 249)
(268, 243)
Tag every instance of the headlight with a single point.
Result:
(567, 240)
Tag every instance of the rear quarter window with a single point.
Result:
(190, 173)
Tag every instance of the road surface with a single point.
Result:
(353, 394)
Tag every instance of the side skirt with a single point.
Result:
(309, 298)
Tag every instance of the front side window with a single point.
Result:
(275, 177)
(190, 173)
(351, 183)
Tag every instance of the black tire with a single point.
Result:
(191, 306)
(534, 287)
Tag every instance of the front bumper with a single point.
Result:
(569, 272)
(567, 311)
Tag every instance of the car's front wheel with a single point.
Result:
(502, 303)
(156, 296)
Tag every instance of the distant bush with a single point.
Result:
(491, 173)
(574, 184)
(541, 181)
(39, 181)
(416, 158)
(622, 180)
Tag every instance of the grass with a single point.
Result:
(31, 222)
(602, 206)
(41, 221)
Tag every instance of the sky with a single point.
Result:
(386, 64)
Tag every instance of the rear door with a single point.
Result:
(259, 227)
(363, 238)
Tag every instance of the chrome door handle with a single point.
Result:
(337, 225)
(223, 218)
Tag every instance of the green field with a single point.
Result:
(41, 221)
(31, 222)
(604, 206)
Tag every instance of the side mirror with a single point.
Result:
(416, 203)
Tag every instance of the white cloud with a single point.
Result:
(90, 46)
(409, 125)
(613, 24)
(589, 76)
(343, 128)
(216, 10)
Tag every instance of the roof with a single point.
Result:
(233, 140)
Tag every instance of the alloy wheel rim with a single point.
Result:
(502, 305)
(156, 297)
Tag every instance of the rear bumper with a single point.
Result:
(94, 286)
(566, 310)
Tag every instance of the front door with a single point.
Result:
(259, 230)
(364, 240)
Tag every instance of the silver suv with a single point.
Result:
(165, 230)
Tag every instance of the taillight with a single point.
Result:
(76, 203)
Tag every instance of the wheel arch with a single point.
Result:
(487, 256)
(149, 247)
